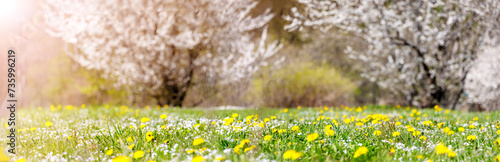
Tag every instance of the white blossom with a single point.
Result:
(163, 45)
(421, 49)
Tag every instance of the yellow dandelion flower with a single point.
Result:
(121, 159)
(360, 151)
(163, 116)
(329, 132)
(471, 137)
(109, 152)
(197, 159)
(268, 137)
(198, 141)
(377, 132)
(138, 154)
(149, 136)
(312, 137)
(130, 139)
(292, 154)
(48, 124)
(144, 119)
(395, 134)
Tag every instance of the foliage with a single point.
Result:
(378, 133)
(303, 83)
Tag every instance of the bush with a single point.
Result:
(304, 84)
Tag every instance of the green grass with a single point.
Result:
(83, 134)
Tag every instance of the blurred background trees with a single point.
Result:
(279, 53)
(164, 47)
(421, 50)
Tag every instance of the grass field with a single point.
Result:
(109, 133)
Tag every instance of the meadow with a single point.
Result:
(368, 133)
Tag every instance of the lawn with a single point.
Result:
(370, 133)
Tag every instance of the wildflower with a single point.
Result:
(228, 121)
(249, 148)
(197, 159)
(295, 128)
(461, 129)
(393, 150)
(360, 151)
(245, 141)
(121, 159)
(292, 154)
(329, 132)
(219, 158)
(163, 116)
(395, 134)
(149, 136)
(198, 141)
(420, 157)
(445, 130)
(498, 131)
(497, 159)
(32, 128)
(347, 120)
(397, 123)
(262, 125)
(130, 139)
(312, 137)
(377, 132)
(472, 126)
(452, 154)
(428, 122)
(237, 148)
(131, 146)
(144, 119)
(442, 149)
(471, 137)
(138, 154)
(423, 138)
(48, 124)
(268, 137)
(109, 152)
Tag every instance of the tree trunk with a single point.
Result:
(175, 94)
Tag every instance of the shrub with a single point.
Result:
(304, 84)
